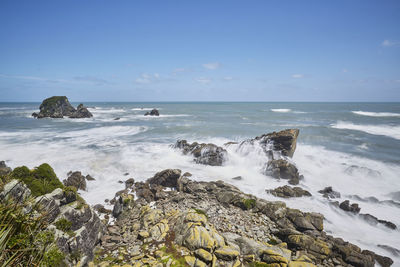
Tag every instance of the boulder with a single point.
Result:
(153, 112)
(289, 191)
(328, 192)
(207, 154)
(15, 190)
(283, 141)
(58, 107)
(281, 168)
(77, 180)
(167, 178)
(4, 169)
(345, 205)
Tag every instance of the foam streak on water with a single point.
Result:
(356, 154)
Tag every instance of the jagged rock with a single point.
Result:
(118, 118)
(4, 169)
(288, 191)
(283, 141)
(168, 178)
(207, 154)
(16, 190)
(81, 112)
(328, 192)
(77, 180)
(153, 112)
(345, 205)
(58, 107)
(283, 169)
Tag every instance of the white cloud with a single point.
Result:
(203, 80)
(212, 65)
(228, 78)
(297, 76)
(388, 43)
(147, 78)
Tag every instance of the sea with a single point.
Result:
(353, 147)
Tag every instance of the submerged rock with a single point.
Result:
(58, 107)
(345, 205)
(328, 192)
(288, 191)
(207, 154)
(153, 112)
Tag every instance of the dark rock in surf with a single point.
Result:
(289, 191)
(345, 205)
(153, 112)
(77, 180)
(328, 193)
(282, 169)
(374, 221)
(58, 107)
(392, 250)
(89, 178)
(116, 119)
(81, 112)
(207, 154)
(283, 141)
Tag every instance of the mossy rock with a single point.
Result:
(248, 203)
(40, 181)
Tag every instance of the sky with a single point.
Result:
(342, 50)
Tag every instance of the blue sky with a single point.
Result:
(200, 50)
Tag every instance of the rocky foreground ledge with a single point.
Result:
(170, 220)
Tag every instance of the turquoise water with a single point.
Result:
(354, 147)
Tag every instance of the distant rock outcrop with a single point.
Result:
(288, 191)
(153, 112)
(58, 107)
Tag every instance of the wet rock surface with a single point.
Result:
(282, 169)
(207, 154)
(329, 193)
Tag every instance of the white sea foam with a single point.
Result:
(144, 109)
(103, 110)
(376, 114)
(386, 130)
(282, 110)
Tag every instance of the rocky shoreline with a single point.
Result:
(171, 220)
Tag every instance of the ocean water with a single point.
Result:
(353, 147)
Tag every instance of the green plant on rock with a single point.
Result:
(40, 181)
(63, 225)
(24, 240)
(249, 203)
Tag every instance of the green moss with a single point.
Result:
(53, 257)
(199, 211)
(52, 100)
(40, 181)
(272, 241)
(249, 203)
(63, 225)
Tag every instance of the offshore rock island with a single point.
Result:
(58, 107)
(171, 220)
